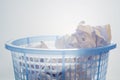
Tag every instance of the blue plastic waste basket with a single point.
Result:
(57, 64)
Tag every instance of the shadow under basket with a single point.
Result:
(57, 64)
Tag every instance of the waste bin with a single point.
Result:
(57, 64)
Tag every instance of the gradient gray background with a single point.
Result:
(20, 18)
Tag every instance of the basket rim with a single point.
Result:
(13, 45)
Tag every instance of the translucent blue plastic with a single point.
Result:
(57, 64)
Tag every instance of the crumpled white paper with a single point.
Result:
(41, 44)
(86, 36)
(103, 35)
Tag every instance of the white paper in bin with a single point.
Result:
(57, 64)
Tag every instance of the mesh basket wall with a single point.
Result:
(59, 67)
